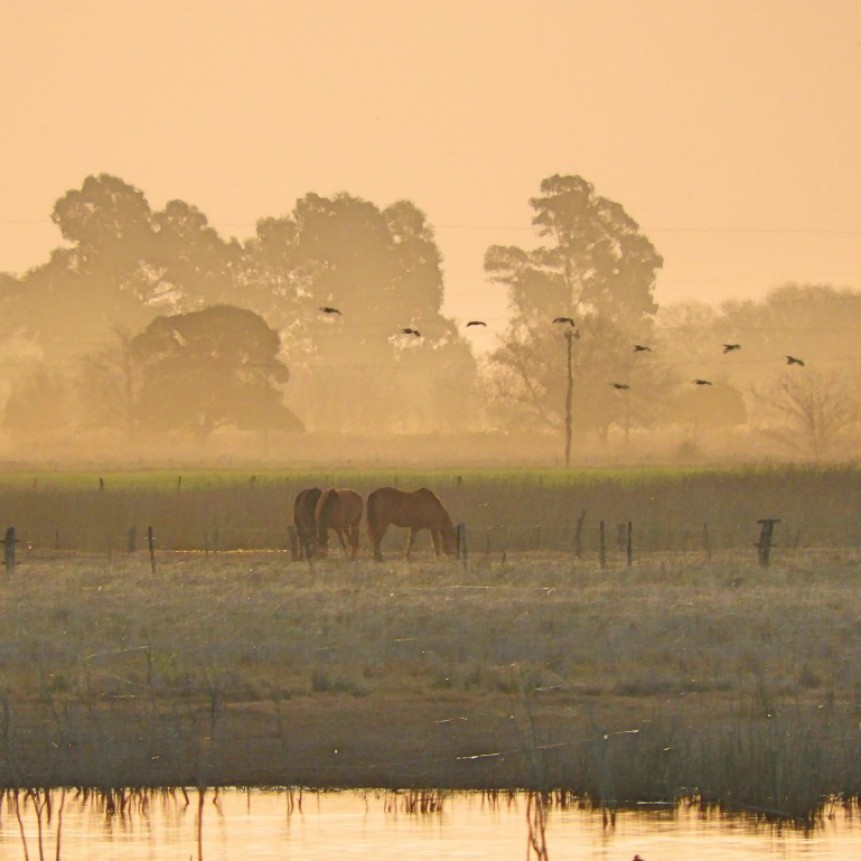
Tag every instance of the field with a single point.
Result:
(693, 671)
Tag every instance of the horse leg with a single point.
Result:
(410, 541)
(353, 535)
(376, 537)
(435, 538)
(340, 534)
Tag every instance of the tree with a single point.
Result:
(812, 413)
(124, 264)
(382, 270)
(107, 386)
(599, 270)
(209, 369)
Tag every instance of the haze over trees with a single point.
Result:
(146, 324)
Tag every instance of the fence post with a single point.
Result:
(132, 539)
(602, 546)
(151, 543)
(629, 544)
(9, 550)
(765, 538)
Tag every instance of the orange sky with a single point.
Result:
(731, 131)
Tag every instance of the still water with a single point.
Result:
(341, 826)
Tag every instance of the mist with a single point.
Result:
(322, 338)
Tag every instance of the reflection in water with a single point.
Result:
(328, 826)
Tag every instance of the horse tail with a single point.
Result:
(323, 513)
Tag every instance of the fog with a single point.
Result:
(147, 337)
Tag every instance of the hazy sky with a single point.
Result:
(731, 131)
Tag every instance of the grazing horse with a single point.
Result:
(417, 509)
(340, 509)
(304, 507)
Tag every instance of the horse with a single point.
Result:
(417, 509)
(304, 507)
(339, 508)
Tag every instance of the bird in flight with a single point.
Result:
(640, 348)
(620, 385)
(328, 309)
(568, 320)
(791, 360)
(409, 331)
(728, 348)
(476, 323)
(699, 382)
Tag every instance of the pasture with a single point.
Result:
(530, 666)
(514, 511)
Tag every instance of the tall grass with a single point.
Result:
(505, 511)
(728, 682)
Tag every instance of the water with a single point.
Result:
(342, 826)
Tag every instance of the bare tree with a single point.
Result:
(811, 413)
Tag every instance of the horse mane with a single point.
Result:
(437, 502)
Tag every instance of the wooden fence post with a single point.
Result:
(151, 543)
(9, 550)
(629, 544)
(765, 539)
(602, 546)
(132, 539)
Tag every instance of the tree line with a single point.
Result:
(145, 323)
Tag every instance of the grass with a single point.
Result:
(512, 511)
(725, 681)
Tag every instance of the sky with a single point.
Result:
(730, 131)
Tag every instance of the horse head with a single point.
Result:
(449, 540)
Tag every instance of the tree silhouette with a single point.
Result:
(597, 269)
(209, 369)
(381, 269)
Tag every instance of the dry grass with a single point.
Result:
(725, 680)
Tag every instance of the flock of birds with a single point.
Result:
(569, 321)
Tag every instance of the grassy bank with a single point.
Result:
(724, 680)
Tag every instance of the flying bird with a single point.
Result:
(568, 320)
(640, 348)
(728, 348)
(620, 385)
(699, 382)
(791, 360)
(328, 309)
(409, 331)
(476, 323)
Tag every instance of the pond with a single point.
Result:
(334, 826)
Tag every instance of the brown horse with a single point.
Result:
(339, 508)
(304, 508)
(417, 509)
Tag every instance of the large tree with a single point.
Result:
(209, 369)
(596, 268)
(381, 270)
(122, 265)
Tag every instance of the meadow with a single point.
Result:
(692, 672)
